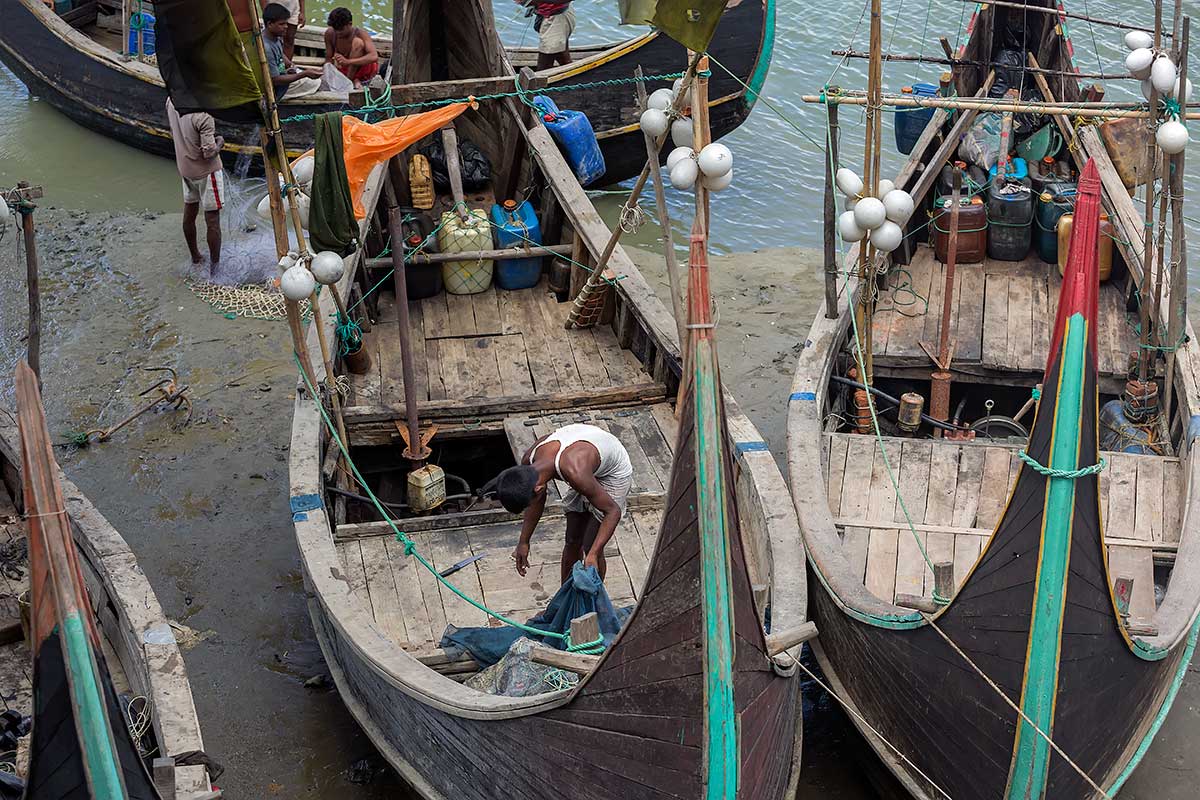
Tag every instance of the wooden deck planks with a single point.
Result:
(1020, 322)
(883, 543)
(968, 328)
(995, 321)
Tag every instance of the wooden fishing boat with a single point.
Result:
(988, 640)
(95, 626)
(77, 67)
(653, 716)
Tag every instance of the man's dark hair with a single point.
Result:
(274, 12)
(340, 17)
(514, 487)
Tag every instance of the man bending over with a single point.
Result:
(349, 48)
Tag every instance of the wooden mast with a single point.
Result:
(866, 253)
(1144, 357)
(1177, 303)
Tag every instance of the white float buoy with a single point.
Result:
(654, 122)
(1187, 92)
(1139, 62)
(660, 99)
(1163, 74)
(850, 184)
(898, 205)
(885, 186)
(717, 183)
(286, 262)
(297, 283)
(681, 132)
(5, 216)
(1139, 40)
(715, 160)
(675, 87)
(851, 202)
(1172, 137)
(869, 213)
(848, 229)
(887, 237)
(303, 169)
(678, 154)
(1147, 88)
(327, 267)
(684, 173)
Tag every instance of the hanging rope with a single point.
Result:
(1049, 472)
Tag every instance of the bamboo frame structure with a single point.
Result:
(1084, 109)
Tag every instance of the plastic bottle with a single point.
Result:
(517, 226)
(972, 230)
(459, 236)
(1010, 221)
(1057, 199)
(909, 122)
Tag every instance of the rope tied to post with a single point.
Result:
(1072, 474)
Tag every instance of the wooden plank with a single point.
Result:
(668, 425)
(486, 308)
(513, 362)
(483, 366)
(1122, 496)
(1138, 564)
(385, 604)
(909, 325)
(1040, 343)
(939, 510)
(456, 371)
(433, 368)
(366, 388)
(448, 548)
(435, 316)
(914, 477)
(1173, 494)
(420, 357)
(993, 488)
(856, 493)
(591, 366)
(995, 321)
(408, 592)
(968, 330)
(967, 492)
(557, 353)
(1148, 514)
(932, 322)
(512, 313)
(622, 366)
(391, 368)
(835, 470)
(351, 555)
(1020, 323)
(1108, 338)
(630, 545)
(461, 314)
(882, 543)
(430, 587)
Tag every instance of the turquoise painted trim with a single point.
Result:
(95, 737)
(802, 396)
(720, 727)
(1031, 754)
(763, 65)
(1163, 710)
(895, 622)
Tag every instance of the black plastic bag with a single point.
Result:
(476, 168)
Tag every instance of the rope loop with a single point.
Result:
(1049, 472)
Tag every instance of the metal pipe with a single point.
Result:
(415, 452)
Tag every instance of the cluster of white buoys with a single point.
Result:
(1158, 72)
(302, 173)
(713, 166)
(875, 217)
(299, 280)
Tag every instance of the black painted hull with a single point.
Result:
(125, 101)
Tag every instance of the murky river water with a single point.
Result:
(192, 503)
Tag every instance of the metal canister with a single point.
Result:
(909, 415)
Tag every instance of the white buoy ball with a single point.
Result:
(887, 237)
(1147, 88)
(848, 229)
(885, 186)
(327, 267)
(5, 215)
(717, 183)
(677, 155)
(851, 202)
(850, 184)
(297, 283)
(655, 122)
(1139, 62)
(1172, 137)
(1139, 40)
(898, 205)
(303, 169)
(1187, 91)
(1163, 74)
(676, 86)
(715, 160)
(286, 262)
(302, 205)
(681, 132)
(683, 174)
(869, 213)
(660, 99)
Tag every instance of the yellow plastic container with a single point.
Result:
(457, 236)
(1106, 244)
(420, 182)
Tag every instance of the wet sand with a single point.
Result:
(205, 507)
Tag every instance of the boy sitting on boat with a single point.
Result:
(288, 79)
(349, 48)
(595, 466)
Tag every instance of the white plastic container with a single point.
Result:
(457, 236)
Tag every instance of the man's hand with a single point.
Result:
(339, 60)
(592, 559)
(521, 557)
(313, 73)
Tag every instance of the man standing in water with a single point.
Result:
(595, 466)
(198, 157)
(555, 22)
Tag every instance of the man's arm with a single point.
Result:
(529, 523)
(584, 481)
(210, 143)
(330, 47)
(370, 54)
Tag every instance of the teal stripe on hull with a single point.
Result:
(720, 734)
(759, 77)
(1031, 754)
(91, 718)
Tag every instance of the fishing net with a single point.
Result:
(250, 301)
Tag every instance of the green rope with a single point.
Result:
(410, 547)
(520, 93)
(1049, 472)
(349, 334)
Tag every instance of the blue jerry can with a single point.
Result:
(517, 226)
(573, 132)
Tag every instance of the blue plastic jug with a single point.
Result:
(911, 121)
(1017, 170)
(145, 22)
(573, 132)
(517, 226)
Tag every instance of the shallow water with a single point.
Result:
(192, 504)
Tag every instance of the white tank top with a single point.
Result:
(614, 459)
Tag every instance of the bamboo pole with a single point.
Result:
(34, 342)
(1164, 183)
(950, 60)
(1143, 355)
(866, 254)
(1083, 109)
(831, 214)
(664, 218)
(1179, 278)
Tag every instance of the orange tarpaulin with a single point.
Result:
(369, 144)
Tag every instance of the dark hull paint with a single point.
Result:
(635, 727)
(98, 95)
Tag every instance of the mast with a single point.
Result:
(866, 255)
(1144, 355)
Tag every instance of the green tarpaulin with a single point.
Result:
(689, 22)
(202, 60)
(331, 224)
